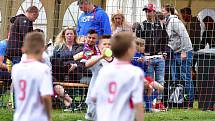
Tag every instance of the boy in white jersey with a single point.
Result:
(118, 90)
(32, 82)
(95, 64)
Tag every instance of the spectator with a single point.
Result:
(155, 47)
(21, 25)
(93, 17)
(65, 48)
(180, 43)
(208, 36)
(4, 68)
(193, 27)
(118, 23)
(149, 83)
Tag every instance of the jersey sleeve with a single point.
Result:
(137, 88)
(98, 83)
(46, 87)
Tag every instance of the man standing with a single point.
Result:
(155, 47)
(93, 17)
(21, 25)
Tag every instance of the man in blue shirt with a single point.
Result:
(93, 17)
(4, 73)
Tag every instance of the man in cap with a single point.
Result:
(155, 48)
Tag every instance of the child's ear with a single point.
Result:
(23, 50)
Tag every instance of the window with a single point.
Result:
(41, 22)
(71, 15)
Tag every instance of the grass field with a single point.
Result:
(172, 115)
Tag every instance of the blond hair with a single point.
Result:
(61, 40)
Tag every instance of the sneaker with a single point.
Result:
(153, 110)
(160, 106)
(89, 116)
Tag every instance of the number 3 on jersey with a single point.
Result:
(22, 86)
(112, 89)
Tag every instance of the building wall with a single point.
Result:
(55, 10)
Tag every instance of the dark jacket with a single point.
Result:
(208, 37)
(20, 26)
(194, 31)
(61, 61)
(156, 38)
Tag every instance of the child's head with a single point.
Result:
(123, 45)
(140, 45)
(92, 37)
(34, 43)
(104, 42)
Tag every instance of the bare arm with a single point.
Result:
(48, 105)
(139, 111)
(93, 61)
(2, 65)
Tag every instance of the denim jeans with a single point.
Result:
(181, 70)
(156, 70)
(15, 59)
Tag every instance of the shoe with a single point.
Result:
(160, 106)
(153, 110)
(89, 116)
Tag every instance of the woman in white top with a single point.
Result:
(118, 23)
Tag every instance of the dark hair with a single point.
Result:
(121, 42)
(92, 31)
(32, 9)
(106, 36)
(170, 9)
(208, 19)
(186, 10)
(159, 16)
(34, 42)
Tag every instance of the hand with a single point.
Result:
(73, 66)
(183, 55)
(140, 59)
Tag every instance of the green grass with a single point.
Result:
(171, 115)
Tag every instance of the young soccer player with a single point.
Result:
(95, 64)
(118, 90)
(32, 82)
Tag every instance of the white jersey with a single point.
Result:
(118, 86)
(31, 79)
(45, 56)
(95, 70)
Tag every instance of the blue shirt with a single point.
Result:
(3, 46)
(142, 65)
(97, 20)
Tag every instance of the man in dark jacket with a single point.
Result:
(155, 47)
(20, 26)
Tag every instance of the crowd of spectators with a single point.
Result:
(167, 44)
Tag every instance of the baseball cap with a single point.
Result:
(150, 7)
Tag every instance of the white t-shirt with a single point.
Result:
(118, 86)
(95, 70)
(31, 79)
